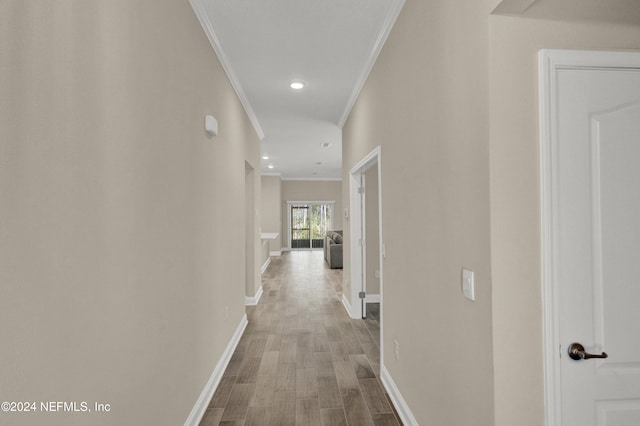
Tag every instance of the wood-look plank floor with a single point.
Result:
(301, 359)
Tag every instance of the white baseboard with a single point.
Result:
(266, 265)
(251, 301)
(396, 397)
(347, 305)
(372, 298)
(198, 410)
(275, 253)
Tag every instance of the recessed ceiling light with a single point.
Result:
(270, 166)
(325, 145)
(265, 157)
(297, 85)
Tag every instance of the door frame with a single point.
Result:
(252, 284)
(550, 61)
(356, 228)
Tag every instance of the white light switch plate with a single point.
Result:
(468, 287)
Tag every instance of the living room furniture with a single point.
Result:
(333, 249)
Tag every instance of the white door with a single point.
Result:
(593, 247)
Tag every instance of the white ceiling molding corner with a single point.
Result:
(512, 7)
(202, 16)
(385, 30)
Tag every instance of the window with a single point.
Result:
(309, 223)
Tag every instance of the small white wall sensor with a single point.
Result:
(468, 285)
(211, 125)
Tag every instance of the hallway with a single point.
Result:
(301, 359)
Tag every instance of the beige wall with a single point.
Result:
(452, 101)
(271, 211)
(515, 201)
(311, 190)
(426, 105)
(119, 246)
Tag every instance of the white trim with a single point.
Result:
(252, 301)
(372, 298)
(380, 256)
(347, 305)
(198, 410)
(275, 253)
(549, 63)
(396, 398)
(385, 30)
(355, 228)
(363, 224)
(266, 265)
(200, 11)
(368, 161)
(549, 296)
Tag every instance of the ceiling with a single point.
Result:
(330, 45)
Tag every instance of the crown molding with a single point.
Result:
(512, 7)
(200, 11)
(385, 30)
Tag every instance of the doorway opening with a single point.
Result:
(249, 231)
(589, 132)
(365, 205)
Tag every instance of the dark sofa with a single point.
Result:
(333, 249)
